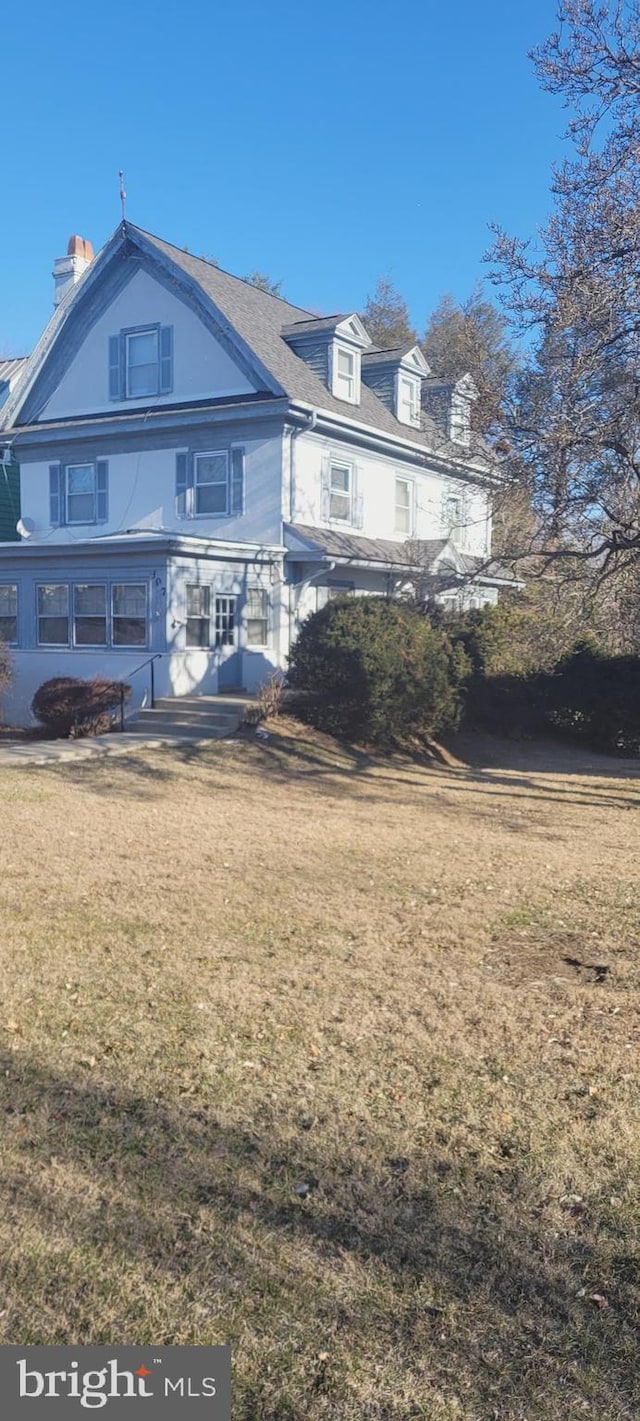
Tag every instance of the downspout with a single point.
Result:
(312, 419)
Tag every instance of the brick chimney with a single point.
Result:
(68, 270)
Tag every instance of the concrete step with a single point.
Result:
(142, 730)
(215, 703)
(189, 717)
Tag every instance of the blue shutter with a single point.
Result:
(184, 481)
(237, 481)
(166, 359)
(56, 495)
(115, 368)
(102, 490)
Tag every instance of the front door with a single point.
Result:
(226, 634)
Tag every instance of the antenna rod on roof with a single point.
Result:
(123, 195)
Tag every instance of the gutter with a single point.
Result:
(381, 440)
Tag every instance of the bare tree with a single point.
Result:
(575, 412)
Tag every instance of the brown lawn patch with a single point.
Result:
(296, 1055)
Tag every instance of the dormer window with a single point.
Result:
(346, 374)
(460, 426)
(408, 399)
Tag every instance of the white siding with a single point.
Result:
(201, 367)
(376, 476)
(142, 494)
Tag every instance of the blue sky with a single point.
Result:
(325, 144)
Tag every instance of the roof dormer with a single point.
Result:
(396, 377)
(449, 404)
(332, 346)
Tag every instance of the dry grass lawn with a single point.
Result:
(334, 1059)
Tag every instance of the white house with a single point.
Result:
(202, 464)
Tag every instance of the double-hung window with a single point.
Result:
(404, 507)
(211, 480)
(345, 374)
(53, 614)
(198, 615)
(408, 400)
(454, 516)
(79, 493)
(257, 611)
(460, 423)
(141, 362)
(90, 614)
(210, 484)
(341, 492)
(8, 613)
(129, 614)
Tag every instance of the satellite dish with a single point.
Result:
(25, 527)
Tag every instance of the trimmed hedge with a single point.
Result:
(588, 696)
(369, 669)
(68, 706)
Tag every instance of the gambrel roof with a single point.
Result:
(251, 322)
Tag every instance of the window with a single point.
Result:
(340, 491)
(9, 613)
(211, 483)
(345, 366)
(198, 616)
(79, 493)
(225, 621)
(404, 507)
(129, 614)
(141, 362)
(53, 615)
(257, 617)
(460, 429)
(454, 513)
(333, 592)
(90, 614)
(408, 400)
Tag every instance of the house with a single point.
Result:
(203, 464)
(10, 371)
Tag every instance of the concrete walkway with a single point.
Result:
(51, 752)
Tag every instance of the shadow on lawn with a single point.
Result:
(335, 768)
(470, 1270)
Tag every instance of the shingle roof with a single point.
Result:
(348, 546)
(315, 323)
(259, 319)
(386, 357)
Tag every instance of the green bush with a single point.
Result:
(372, 670)
(69, 706)
(596, 698)
(588, 696)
